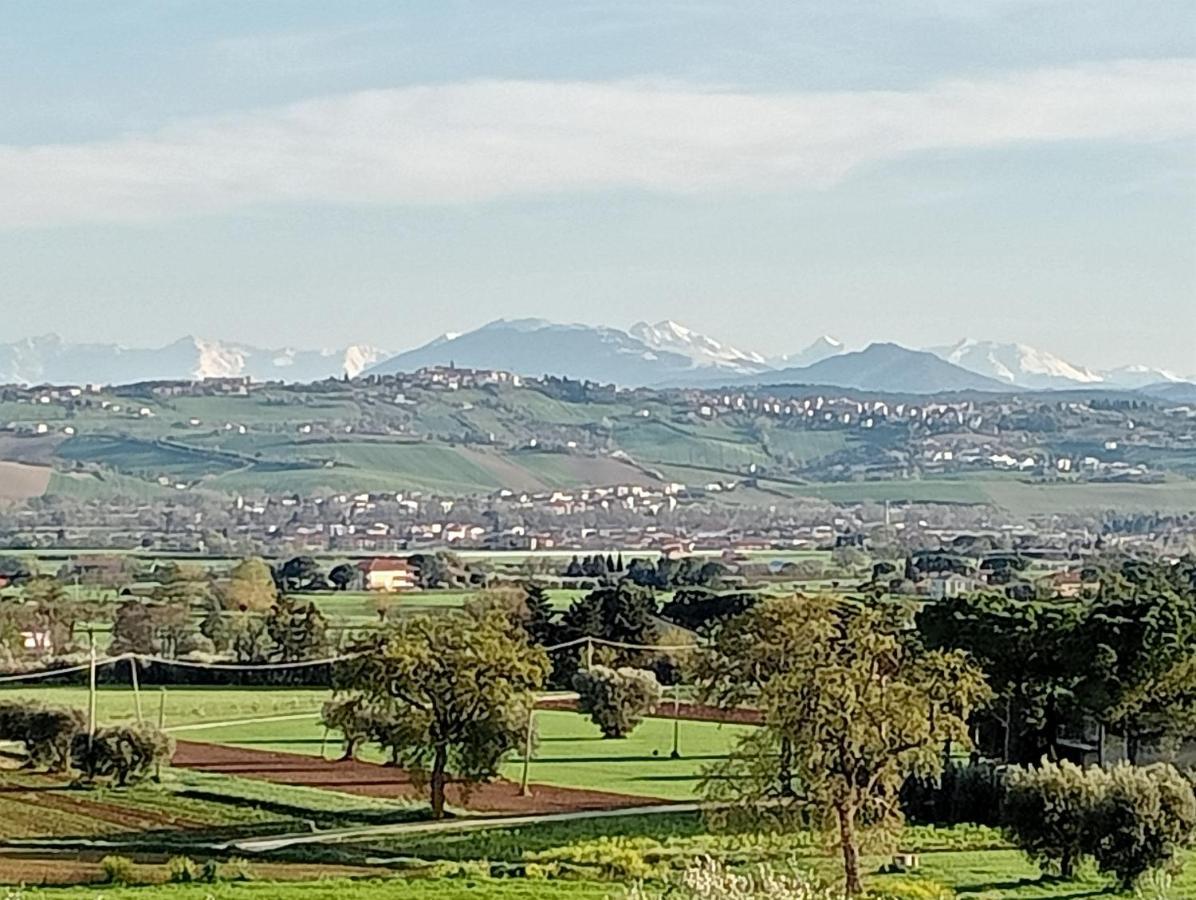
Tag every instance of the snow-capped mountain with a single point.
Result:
(885, 367)
(538, 347)
(50, 359)
(1022, 366)
(1133, 377)
(823, 348)
(671, 337)
(1017, 364)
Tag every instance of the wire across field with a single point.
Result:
(570, 751)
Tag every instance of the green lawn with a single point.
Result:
(184, 706)
(571, 752)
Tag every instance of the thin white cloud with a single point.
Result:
(478, 141)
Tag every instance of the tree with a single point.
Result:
(1048, 813)
(249, 638)
(125, 753)
(298, 632)
(1140, 629)
(343, 575)
(616, 700)
(1144, 819)
(860, 706)
(625, 614)
(250, 587)
(459, 686)
(46, 731)
(1034, 656)
(540, 626)
(301, 573)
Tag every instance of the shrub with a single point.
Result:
(709, 879)
(1048, 811)
(118, 870)
(913, 889)
(616, 699)
(46, 731)
(237, 869)
(209, 873)
(1143, 818)
(181, 870)
(124, 753)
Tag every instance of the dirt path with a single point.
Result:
(372, 780)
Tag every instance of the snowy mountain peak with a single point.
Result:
(673, 337)
(821, 348)
(1017, 364)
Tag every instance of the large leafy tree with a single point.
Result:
(1033, 654)
(456, 689)
(299, 632)
(250, 587)
(860, 707)
(1141, 628)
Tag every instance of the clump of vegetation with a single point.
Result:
(1048, 811)
(45, 731)
(1131, 820)
(852, 710)
(914, 889)
(182, 870)
(118, 870)
(707, 878)
(1144, 817)
(616, 700)
(451, 693)
(125, 754)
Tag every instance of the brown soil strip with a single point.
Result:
(372, 780)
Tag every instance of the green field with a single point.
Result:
(570, 752)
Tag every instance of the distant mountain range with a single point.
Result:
(661, 354)
(669, 354)
(49, 359)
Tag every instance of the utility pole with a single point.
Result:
(136, 689)
(161, 727)
(589, 653)
(676, 754)
(91, 688)
(524, 787)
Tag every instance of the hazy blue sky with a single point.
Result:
(319, 173)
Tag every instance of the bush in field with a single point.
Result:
(709, 879)
(1049, 811)
(125, 754)
(182, 870)
(616, 699)
(118, 870)
(1130, 819)
(913, 889)
(46, 731)
(1144, 817)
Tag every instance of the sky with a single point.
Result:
(318, 174)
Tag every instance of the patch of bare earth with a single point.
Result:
(372, 780)
(21, 481)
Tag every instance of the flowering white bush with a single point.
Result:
(709, 879)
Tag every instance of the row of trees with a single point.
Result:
(57, 739)
(1121, 660)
